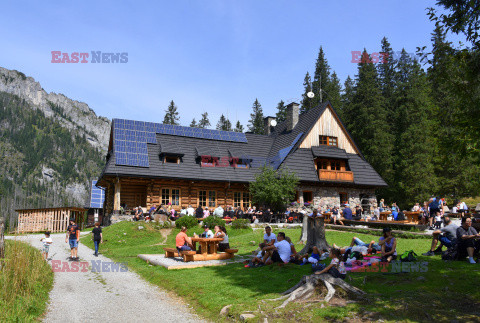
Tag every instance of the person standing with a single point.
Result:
(72, 238)
(97, 237)
(47, 241)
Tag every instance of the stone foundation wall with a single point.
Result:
(323, 196)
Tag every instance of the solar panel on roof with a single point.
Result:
(131, 138)
(283, 153)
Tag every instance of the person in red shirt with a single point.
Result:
(182, 241)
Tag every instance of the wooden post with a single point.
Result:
(116, 200)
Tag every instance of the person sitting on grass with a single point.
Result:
(221, 232)
(336, 267)
(279, 252)
(389, 247)
(182, 241)
(294, 256)
(47, 241)
(258, 259)
(314, 257)
(467, 240)
(269, 238)
(446, 235)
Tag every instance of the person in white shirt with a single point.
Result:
(278, 252)
(190, 210)
(47, 241)
(416, 207)
(207, 232)
(183, 211)
(269, 237)
(218, 212)
(206, 213)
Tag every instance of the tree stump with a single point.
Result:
(305, 288)
(315, 228)
(304, 234)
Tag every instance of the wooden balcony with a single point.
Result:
(335, 175)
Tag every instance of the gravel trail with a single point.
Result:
(104, 296)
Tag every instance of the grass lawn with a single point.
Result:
(447, 291)
(25, 281)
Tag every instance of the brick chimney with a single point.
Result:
(267, 125)
(292, 115)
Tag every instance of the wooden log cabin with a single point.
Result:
(150, 163)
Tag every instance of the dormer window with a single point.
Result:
(171, 160)
(328, 141)
(208, 161)
(239, 163)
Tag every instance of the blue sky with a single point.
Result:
(210, 55)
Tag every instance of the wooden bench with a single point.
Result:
(188, 255)
(171, 252)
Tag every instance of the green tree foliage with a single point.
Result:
(256, 119)
(171, 114)
(334, 93)
(224, 124)
(415, 146)
(344, 111)
(204, 121)
(30, 141)
(193, 124)
(371, 124)
(238, 127)
(274, 188)
(321, 78)
(306, 103)
(386, 74)
(281, 114)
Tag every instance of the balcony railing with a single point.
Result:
(335, 175)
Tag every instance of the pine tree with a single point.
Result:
(171, 115)
(281, 112)
(334, 92)
(345, 112)
(321, 78)
(238, 127)
(370, 125)
(256, 119)
(386, 74)
(224, 124)
(193, 124)
(307, 103)
(414, 140)
(204, 122)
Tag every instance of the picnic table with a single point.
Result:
(384, 215)
(208, 251)
(412, 216)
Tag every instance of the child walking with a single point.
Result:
(97, 237)
(336, 267)
(47, 241)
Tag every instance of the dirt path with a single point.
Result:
(105, 296)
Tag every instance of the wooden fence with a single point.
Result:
(48, 219)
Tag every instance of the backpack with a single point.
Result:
(434, 205)
(356, 254)
(449, 254)
(408, 256)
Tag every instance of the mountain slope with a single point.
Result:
(50, 146)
